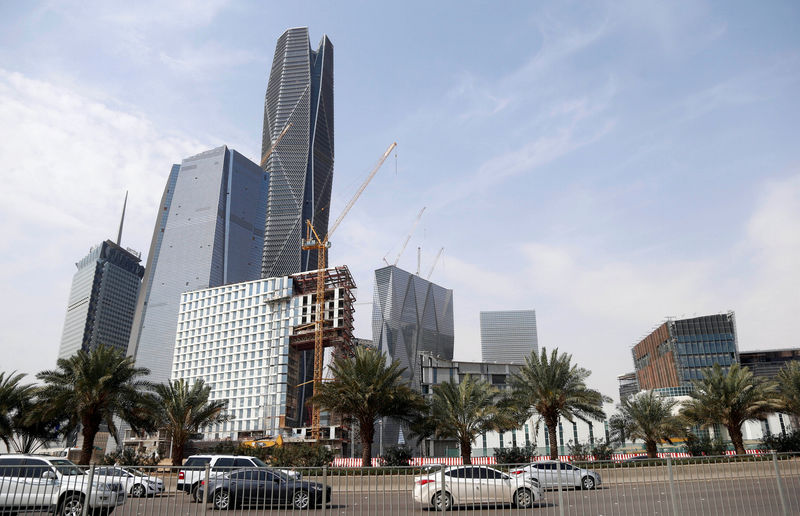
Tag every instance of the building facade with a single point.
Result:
(508, 336)
(410, 315)
(208, 232)
(300, 92)
(247, 342)
(767, 363)
(628, 385)
(679, 350)
(102, 300)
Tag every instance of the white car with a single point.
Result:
(474, 485)
(134, 481)
(551, 473)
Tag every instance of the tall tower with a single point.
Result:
(300, 91)
(208, 232)
(508, 336)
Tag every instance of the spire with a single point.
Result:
(122, 220)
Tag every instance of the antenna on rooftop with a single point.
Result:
(122, 220)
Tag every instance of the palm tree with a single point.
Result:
(88, 389)
(464, 410)
(182, 410)
(364, 389)
(648, 416)
(31, 432)
(554, 387)
(12, 397)
(789, 388)
(730, 398)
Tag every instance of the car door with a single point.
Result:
(40, 483)
(489, 485)
(570, 475)
(12, 482)
(458, 481)
(547, 474)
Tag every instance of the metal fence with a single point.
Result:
(750, 485)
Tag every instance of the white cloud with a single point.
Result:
(68, 161)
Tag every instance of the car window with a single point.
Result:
(242, 475)
(223, 464)
(567, 467)
(242, 463)
(491, 474)
(35, 468)
(460, 473)
(66, 467)
(258, 462)
(11, 467)
(197, 462)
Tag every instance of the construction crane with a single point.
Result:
(321, 245)
(435, 261)
(403, 248)
(272, 147)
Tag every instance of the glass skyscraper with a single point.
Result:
(508, 336)
(208, 232)
(102, 300)
(300, 92)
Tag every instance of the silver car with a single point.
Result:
(551, 473)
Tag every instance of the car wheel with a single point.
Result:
(222, 500)
(138, 491)
(301, 500)
(587, 482)
(195, 496)
(523, 498)
(442, 501)
(72, 505)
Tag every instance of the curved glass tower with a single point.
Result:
(300, 91)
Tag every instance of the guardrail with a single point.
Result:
(722, 485)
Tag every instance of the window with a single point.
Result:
(242, 463)
(10, 467)
(196, 462)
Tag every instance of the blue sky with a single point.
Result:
(606, 163)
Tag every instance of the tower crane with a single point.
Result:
(321, 245)
(435, 261)
(405, 243)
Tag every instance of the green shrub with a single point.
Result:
(397, 456)
(602, 450)
(700, 445)
(128, 457)
(514, 455)
(299, 456)
(782, 443)
(580, 452)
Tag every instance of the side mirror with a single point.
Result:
(49, 475)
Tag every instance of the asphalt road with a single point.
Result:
(724, 496)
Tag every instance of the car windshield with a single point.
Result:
(260, 463)
(134, 471)
(65, 467)
(283, 476)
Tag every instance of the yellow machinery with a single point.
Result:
(321, 245)
(267, 442)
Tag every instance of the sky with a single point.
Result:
(608, 164)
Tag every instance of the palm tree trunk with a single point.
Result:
(466, 451)
(367, 431)
(551, 430)
(177, 453)
(736, 437)
(89, 431)
(652, 449)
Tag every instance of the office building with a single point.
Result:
(248, 340)
(410, 315)
(102, 300)
(300, 92)
(208, 232)
(679, 350)
(508, 336)
(767, 363)
(628, 385)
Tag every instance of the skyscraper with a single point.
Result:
(300, 92)
(208, 232)
(410, 315)
(508, 335)
(102, 300)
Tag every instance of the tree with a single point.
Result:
(182, 410)
(13, 396)
(618, 433)
(90, 388)
(31, 432)
(554, 387)
(789, 388)
(648, 416)
(364, 389)
(464, 410)
(730, 398)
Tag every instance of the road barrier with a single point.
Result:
(768, 483)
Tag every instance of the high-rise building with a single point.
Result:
(261, 367)
(300, 92)
(508, 336)
(410, 315)
(208, 232)
(102, 300)
(679, 351)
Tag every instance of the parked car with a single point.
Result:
(56, 485)
(551, 473)
(134, 481)
(193, 471)
(475, 485)
(261, 487)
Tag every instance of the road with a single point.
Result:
(723, 496)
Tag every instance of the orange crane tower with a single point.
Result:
(321, 245)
